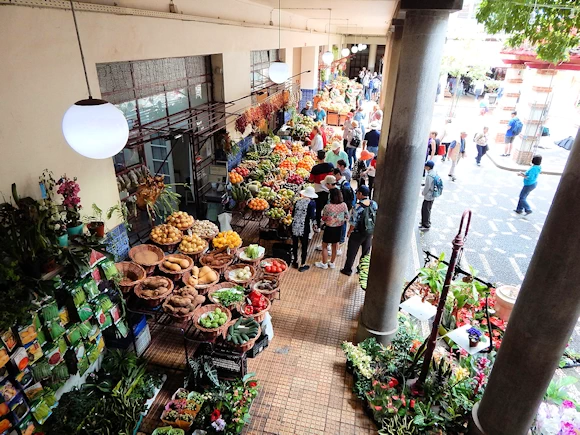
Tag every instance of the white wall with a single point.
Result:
(41, 76)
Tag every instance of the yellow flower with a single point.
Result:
(461, 373)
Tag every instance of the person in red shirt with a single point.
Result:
(313, 134)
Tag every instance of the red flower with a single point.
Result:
(215, 415)
(393, 383)
(412, 403)
(378, 408)
(252, 384)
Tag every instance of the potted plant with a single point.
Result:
(95, 223)
(69, 190)
(122, 211)
(474, 335)
(491, 87)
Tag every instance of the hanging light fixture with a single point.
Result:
(345, 51)
(94, 128)
(364, 46)
(279, 72)
(327, 56)
(354, 49)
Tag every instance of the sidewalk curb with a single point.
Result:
(512, 169)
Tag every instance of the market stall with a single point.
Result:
(338, 98)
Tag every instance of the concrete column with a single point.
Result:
(235, 74)
(424, 34)
(308, 81)
(372, 57)
(533, 114)
(512, 84)
(390, 73)
(543, 318)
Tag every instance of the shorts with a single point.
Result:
(509, 139)
(332, 234)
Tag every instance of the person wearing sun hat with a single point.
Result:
(307, 110)
(371, 142)
(335, 154)
(303, 216)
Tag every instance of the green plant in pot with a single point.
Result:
(122, 211)
(95, 223)
(69, 190)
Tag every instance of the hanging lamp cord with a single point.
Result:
(72, 7)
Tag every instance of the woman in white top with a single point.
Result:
(316, 144)
(354, 141)
(376, 115)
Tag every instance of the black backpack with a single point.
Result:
(347, 194)
(366, 222)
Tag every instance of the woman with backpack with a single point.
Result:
(334, 215)
(303, 217)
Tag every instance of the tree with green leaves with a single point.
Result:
(550, 26)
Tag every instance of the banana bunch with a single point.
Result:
(364, 271)
(242, 331)
(240, 193)
(287, 220)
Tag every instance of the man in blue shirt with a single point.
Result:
(307, 111)
(371, 141)
(320, 114)
(359, 235)
(510, 134)
(530, 183)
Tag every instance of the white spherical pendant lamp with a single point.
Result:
(327, 58)
(345, 52)
(95, 128)
(354, 49)
(364, 46)
(279, 72)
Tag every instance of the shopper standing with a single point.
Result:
(376, 87)
(303, 215)
(481, 144)
(366, 83)
(433, 188)
(530, 183)
(334, 214)
(456, 153)
(354, 142)
(371, 173)
(320, 113)
(514, 128)
(317, 176)
(362, 225)
(446, 137)
(344, 170)
(336, 154)
(359, 117)
(307, 110)
(317, 143)
(347, 129)
(376, 115)
(371, 141)
(349, 198)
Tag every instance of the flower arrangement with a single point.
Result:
(69, 189)
(474, 335)
(442, 405)
(557, 420)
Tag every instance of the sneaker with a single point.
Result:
(450, 175)
(528, 212)
(321, 265)
(346, 272)
(503, 155)
(453, 178)
(318, 248)
(507, 155)
(332, 265)
(339, 252)
(479, 164)
(518, 211)
(303, 268)
(424, 228)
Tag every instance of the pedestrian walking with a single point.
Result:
(514, 128)
(334, 214)
(360, 117)
(361, 74)
(371, 173)
(376, 115)
(349, 197)
(446, 137)
(366, 83)
(481, 144)
(372, 137)
(376, 83)
(303, 216)
(354, 142)
(478, 88)
(361, 228)
(317, 176)
(456, 153)
(433, 189)
(530, 183)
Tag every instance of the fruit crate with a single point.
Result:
(261, 344)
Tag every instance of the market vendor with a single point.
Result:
(307, 111)
(335, 154)
(320, 113)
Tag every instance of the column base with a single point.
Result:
(474, 424)
(523, 157)
(382, 337)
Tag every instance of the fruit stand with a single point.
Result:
(333, 100)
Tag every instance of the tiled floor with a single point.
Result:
(304, 385)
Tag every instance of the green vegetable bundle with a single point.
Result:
(229, 297)
(364, 271)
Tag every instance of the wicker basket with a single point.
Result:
(208, 237)
(201, 288)
(200, 311)
(255, 262)
(270, 294)
(149, 267)
(217, 287)
(258, 317)
(264, 262)
(195, 256)
(242, 348)
(176, 275)
(133, 274)
(220, 270)
(234, 267)
(153, 301)
(177, 316)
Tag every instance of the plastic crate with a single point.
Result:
(261, 344)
